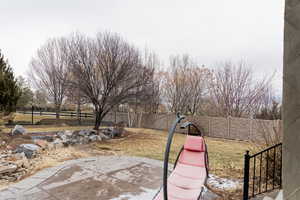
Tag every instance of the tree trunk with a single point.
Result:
(57, 111)
(78, 110)
(98, 120)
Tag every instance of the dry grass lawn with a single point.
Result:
(36, 118)
(225, 156)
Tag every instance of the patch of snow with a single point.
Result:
(147, 194)
(213, 181)
(280, 195)
(222, 183)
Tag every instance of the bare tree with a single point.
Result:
(40, 98)
(185, 85)
(150, 100)
(198, 83)
(233, 92)
(110, 71)
(270, 107)
(76, 96)
(49, 70)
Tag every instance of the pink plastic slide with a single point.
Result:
(189, 176)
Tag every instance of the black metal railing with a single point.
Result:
(262, 171)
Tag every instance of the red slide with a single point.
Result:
(189, 176)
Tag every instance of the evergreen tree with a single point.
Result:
(9, 89)
(26, 93)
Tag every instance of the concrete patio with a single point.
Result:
(104, 177)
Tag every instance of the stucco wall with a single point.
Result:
(291, 101)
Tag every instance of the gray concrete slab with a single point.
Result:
(104, 177)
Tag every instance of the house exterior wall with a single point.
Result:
(291, 101)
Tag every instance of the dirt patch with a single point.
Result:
(11, 142)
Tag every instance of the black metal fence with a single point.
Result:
(67, 114)
(262, 171)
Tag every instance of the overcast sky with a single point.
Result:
(209, 30)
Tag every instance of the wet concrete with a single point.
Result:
(101, 178)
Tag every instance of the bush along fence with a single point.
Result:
(227, 128)
(262, 171)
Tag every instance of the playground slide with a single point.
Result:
(190, 173)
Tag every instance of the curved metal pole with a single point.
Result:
(166, 159)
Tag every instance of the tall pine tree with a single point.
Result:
(9, 89)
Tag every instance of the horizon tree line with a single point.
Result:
(107, 72)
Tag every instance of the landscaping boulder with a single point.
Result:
(94, 138)
(21, 160)
(66, 137)
(30, 150)
(84, 133)
(18, 130)
(48, 138)
(113, 132)
(42, 143)
(68, 133)
(103, 136)
(58, 143)
(13, 165)
(18, 156)
(60, 134)
(87, 132)
(116, 132)
(7, 168)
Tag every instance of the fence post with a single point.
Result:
(140, 120)
(228, 126)
(80, 117)
(209, 126)
(251, 129)
(32, 114)
(246, 175)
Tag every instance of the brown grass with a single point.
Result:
(225, 156)
(36, 118)
(56, 156)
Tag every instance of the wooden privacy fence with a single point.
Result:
(227, 128)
